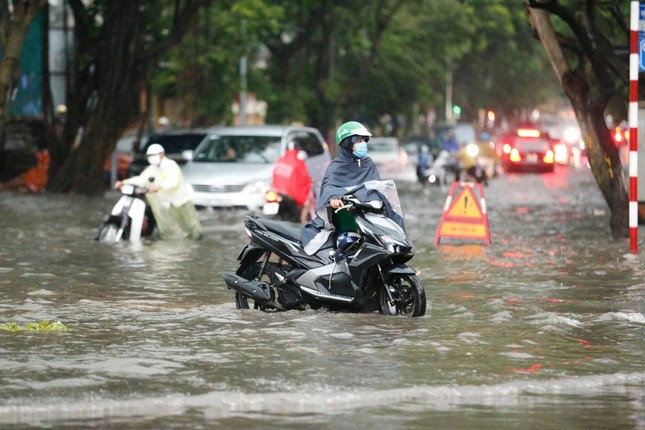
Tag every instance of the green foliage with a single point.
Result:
(39, 326)
(320, 62)
(506, 70)
(203, 70)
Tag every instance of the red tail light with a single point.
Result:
(515, 156)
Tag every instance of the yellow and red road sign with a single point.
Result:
(464, 216)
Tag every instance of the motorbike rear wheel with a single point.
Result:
(251, 272)
(408, 293)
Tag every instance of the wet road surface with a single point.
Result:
(543, 329)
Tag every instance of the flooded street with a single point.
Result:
(543, 329)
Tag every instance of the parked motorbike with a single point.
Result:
(130, 218)
(363, 270)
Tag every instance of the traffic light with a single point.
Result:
(456, 110)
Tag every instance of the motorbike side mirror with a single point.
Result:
(376, 204)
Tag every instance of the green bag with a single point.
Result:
(344, 221)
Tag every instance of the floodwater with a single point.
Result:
(542, 329)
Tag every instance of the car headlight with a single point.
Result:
(257, 187)
(571, 134)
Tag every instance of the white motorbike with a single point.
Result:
(130, 218)
(442, 167)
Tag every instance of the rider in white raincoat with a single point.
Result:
(168, 196)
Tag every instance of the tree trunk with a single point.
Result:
(112, 84)
(602, 153)
(13, 28)
(114, 53)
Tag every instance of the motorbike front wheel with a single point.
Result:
(408, 294)
(107, 233)
(241, 301)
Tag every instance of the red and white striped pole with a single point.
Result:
(633, 127)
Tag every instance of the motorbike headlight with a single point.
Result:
(472, 150)
(392, 244)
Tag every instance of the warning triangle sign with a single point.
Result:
(465, 205)
(464, 218)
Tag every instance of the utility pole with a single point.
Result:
(448, 90)
(243, 70)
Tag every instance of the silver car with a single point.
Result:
(392, 160)
(233, 166)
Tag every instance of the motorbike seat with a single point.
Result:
(287, 229)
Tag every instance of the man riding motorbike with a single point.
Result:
(350, 169)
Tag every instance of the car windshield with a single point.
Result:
(376, 146)
(176, 143)
(240, 149)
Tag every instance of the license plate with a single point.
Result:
(271, 208)
(532, 158)
(218, 202)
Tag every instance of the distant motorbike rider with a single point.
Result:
(291, 179)
(347, 172)
(168, 196)
(423, 164)
(450, 144)
(452, 165)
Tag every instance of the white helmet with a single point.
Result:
(155, 149)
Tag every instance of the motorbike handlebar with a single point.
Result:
(353, 203)
(130, 189)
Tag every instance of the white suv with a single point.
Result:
(233, 166)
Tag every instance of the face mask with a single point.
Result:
(360, 149)
(154, 160)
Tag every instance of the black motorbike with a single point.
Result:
(361, 269)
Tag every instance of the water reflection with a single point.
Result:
(542, 327)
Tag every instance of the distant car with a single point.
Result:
(413, 144)
(464, 133)
(233, 166)
(178, 144)
(392, 161)
(526, 149)
(568, 143)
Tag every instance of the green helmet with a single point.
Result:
(351, 128)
